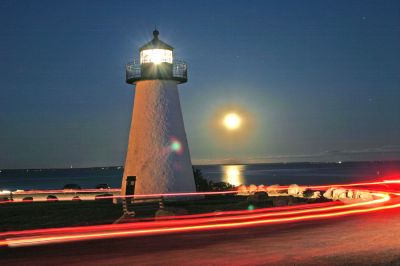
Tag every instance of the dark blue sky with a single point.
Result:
(319, 80)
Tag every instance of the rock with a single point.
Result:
(252, 189)
(316, 195)
(335, 193)
(347, 195)
(366, 196)
(242, 190)
(342, 195)
(338, 193)
(329, 193)
(295, 190)
(310, 194)
(350, 194)
(273, 190)
(357, 194)
(261, 188)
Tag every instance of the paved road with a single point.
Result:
(366, 239)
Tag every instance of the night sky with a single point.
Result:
(314, 80)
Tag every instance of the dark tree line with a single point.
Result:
(202, 184)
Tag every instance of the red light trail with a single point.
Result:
(384, 198)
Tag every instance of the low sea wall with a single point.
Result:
(62, 195)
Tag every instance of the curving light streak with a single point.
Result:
(173, 228)
(211, 221)
(167, 219)
(18, 242)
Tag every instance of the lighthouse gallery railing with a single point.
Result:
(133, 70)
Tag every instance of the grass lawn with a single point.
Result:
(34, 215)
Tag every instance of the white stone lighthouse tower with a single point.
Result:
(158, 152)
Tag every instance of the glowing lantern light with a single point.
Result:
(156, 52)
(156, 56)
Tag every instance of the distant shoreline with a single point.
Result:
(216, 164)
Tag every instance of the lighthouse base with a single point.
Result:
(158, 153)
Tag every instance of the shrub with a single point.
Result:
(308, 193)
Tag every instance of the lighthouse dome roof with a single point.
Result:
(156, 43)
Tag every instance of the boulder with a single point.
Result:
(357, 194)
(346, 195)
(295, 190)
(339, 193)
(316, 195)
(350, 194)
(242, 190)
(310, 194)
(273, 190)
(329, 193)
(261, 187)
(366, 196)
(252, 189)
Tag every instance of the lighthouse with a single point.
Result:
(158, 152)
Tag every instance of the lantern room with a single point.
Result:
(156, 62)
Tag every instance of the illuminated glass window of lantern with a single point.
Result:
(156, 56)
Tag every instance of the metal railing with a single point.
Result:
(179, 70)
(133, 70)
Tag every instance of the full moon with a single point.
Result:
(232, 121)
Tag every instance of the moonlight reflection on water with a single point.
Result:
(233, 174)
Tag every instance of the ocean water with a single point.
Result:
(266, 174)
